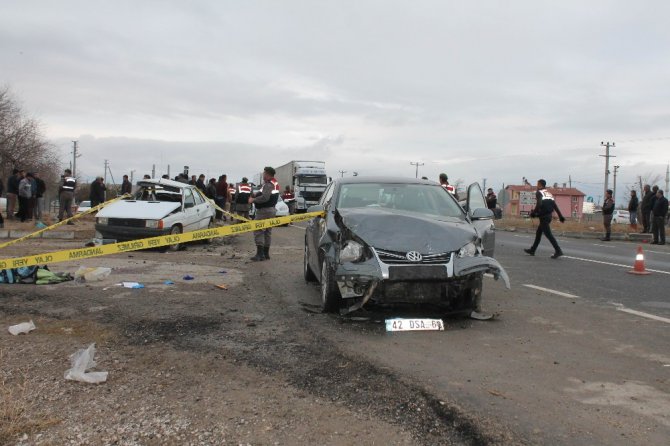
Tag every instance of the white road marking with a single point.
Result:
(620, 307)
(547, 290)
(657, 252)
(604, 246)
(614, 264)
(522, 236)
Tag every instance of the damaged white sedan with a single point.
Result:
(159, 207)
(391, 240)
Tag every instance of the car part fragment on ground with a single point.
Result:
(82, 361)
(91, 274)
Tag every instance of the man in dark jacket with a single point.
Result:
(12, 193)
(632, 208)
(660, 211)
(544, 210)
(39, 197)
(608, 211)
(97, 194)
(126, 186)
(645, 209)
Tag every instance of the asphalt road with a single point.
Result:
(578, 355)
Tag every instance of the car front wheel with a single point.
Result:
(330, 294)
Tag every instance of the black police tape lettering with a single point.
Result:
(44, 259)
(259, 225)
(85, 253)
(130, 246)
(153, 243)
(3, 265)
(172, 239)
(16, 263)
(275, 222)
(209, 233)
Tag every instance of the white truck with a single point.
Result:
(307, 179)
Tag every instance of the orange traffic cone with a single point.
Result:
(638, 267)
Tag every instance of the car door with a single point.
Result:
(315, 229)
(191, 218)
(203, 209)
(476, 202)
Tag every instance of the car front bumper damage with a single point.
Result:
(361, 281)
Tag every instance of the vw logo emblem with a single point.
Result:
(414, 256)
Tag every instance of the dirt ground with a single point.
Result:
(190, 363)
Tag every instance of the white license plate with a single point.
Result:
(414, 324)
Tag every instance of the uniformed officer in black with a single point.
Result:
(544, 210)
(66, 195)
(265, 202)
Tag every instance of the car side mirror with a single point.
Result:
(188, 205)
(316, 208)
(481, 214)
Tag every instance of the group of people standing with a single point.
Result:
(25, 196)
(653, 210)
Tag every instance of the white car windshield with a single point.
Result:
(413, 198)
(158, 193)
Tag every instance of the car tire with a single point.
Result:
(330, 294)
(307, 271)
(175, 230)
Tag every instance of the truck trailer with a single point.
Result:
(307, 179)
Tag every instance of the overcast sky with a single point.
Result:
(497, 90)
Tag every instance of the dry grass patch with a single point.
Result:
(82, 329)
(18, 413)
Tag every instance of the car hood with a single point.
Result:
(149, 210)
(401, 232)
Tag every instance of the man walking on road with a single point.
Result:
(265, 202)
(608, 211)
(659, 212)
(544, 210)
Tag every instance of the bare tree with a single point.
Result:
(23, 144)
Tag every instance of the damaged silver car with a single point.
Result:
(398, 240)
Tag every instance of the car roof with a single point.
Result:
(164, 182)
(383, 179)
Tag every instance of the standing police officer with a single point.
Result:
(265, 202)
(66, 195)
(242, 198)
(608, 212)
(544, 210)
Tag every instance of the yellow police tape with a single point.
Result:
(153, 242)
(63, 222)
(218, 208)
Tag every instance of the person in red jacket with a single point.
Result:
(289, 199)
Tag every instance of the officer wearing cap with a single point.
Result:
(242, 195)
(444, 182)
(265, 202)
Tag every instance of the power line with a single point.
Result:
(607, 157)
(417, 164)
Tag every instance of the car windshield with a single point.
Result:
(414, 198)
(158, 193)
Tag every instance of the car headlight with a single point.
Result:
(469, 250)
(154, 224)
(102, 220)
(351, 252)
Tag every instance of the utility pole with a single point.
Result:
(168, 172)
(484, 184)
(607, 157)
(417, 164)
(616, 169)
(75, 155)
(641, 190)
(570, 181)
(153, 171)
(667, 179)
(106, 166)
(342, 172)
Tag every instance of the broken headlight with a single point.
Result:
(351, 252)
(469, 250)
(102, 220)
